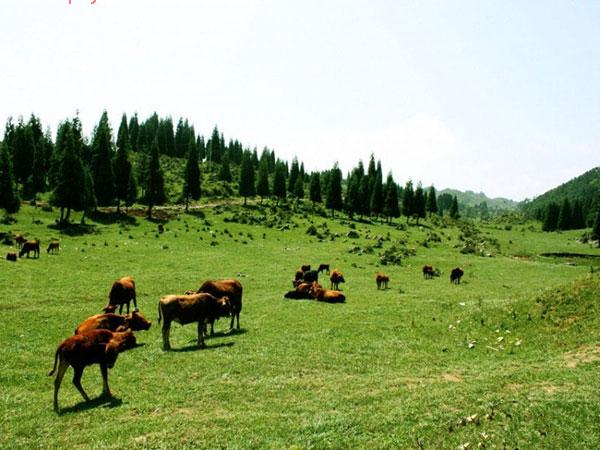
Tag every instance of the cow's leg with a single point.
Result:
(77, 381)
(105, 388)
(134, 302)
(200, 333)
(166, 329)
(237, 315)
(62, 368)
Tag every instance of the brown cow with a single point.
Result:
(32, 245)
(323, 268)
(298, 276)
(326, 295)
(302, 291)
(53, 247)
(186, 309)
(121, 293)
(114, 322)
(336, 278)
(222, 288)
(427, 272)
(456, 275)
(382, 280)
(94, 347)
(11, 256)
(20, 240)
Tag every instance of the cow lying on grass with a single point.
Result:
(185, 309)
(302, 291)
(93, 347)
(326, 295)
(114, 322)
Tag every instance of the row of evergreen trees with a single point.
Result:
(82, 175)
(564, 216)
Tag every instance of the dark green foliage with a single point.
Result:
(294, 172)
(122, 167)
(299, 188)
(155, 182)
(134, 131)
(376, 203)
(9, 196)
(364, 196)
(201, 148)
(596, 228)
(419, 204)
(333, 200)
(391, 206)
(101, 162)
(444, 202)
(37, 181)
(551, 217)
(192, 183)
(89, 196)
(315, 188)
(577, 219)
(279, 179)
(408, 200)
(454, 209)
(247, 188)
(565, 216)
(262, 185)
(23, 148)
(123, 133)
(431, 201)
(225, 171)
(214, 147)
(351, 200)
(166, 137)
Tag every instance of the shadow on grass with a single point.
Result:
(74, 229)
(196, 213)
(194, 347)
(102, 400)
(233, 332)
(107, 218)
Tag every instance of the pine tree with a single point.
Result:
(262, 185)
(155, 183)
(596, 228)
(23, 148)
(214, 148)
(454, 208)
(89, 195)
(419, 202)
(299, 188)
(364, 196)
(294, 172)
(191, 185)
(134, 131)
(279, 179)
(391, 206)
(201, 148)
(315, 188)
(101, 162)
(408, 200)
(122, 167)
(225, 172)
(565, 216)
(351, 201)
(578, 220)
(37, 180)
(9, 195)
(247, 188)
(431, 201)
(376, 203)
(334, 190)
(551, 217)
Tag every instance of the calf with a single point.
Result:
(11, 256)
(20, 240)
(30, 246)
(326, 295)
(94, 347)
(456, 275)
(121, 293)
(53, 247)
(336, 278)
(382, 280)
(229, 288)
(323, 268)
(184, 309)
(114, 322)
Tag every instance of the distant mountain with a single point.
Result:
(585, 188)
(471, 199)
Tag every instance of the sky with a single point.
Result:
(500, 97)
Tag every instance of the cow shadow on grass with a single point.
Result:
(194, 347)
(102, 401)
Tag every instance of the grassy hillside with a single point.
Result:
(472, 199)
(507, 358)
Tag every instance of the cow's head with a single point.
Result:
(109, 309)
(224, 306)
(136, 321)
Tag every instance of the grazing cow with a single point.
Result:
(456, 275)
(186, 309)
(326, 295)
(94, 347)
(20, 240)
(121, 293)
(302, 291)
(427, 272)
(32, 245)
(382, 280)
(53, 247)
(323, 268)
(305, 267)
(310, 276)
(11, 256)
(336, 278)
(221, 288)
(114, 322)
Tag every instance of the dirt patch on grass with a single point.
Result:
(452, 378)
(583, 355)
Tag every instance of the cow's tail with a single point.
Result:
(55, 362)
(159, 313)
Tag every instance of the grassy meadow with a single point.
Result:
(508, 358)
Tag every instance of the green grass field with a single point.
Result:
(510, 357)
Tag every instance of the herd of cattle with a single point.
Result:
(26, 246)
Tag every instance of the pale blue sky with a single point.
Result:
(495, 96)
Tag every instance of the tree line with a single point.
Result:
(82, 174)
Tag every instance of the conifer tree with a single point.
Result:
(578, 220)
(376, 203)
(391, 206)
(191, 185)
(565, 216)
(134, 131)
(225, 171)
(155, 183)
(123, 133)
(596, 228)
(279, 179)
(432, 201)
(201, 148)
(101, 162)
(23, 148)
(315, 188)
(214, 148)
(247, 188)
(351, 200)
(122, 167)
(333, 200)
(408, 200)
(551, 217)
(454, 208)
(364, 196)
(294, 172)
(9, 195)
(299, 188)
(419, 204)
(89, 196)
(262, 185)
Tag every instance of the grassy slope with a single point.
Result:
(388, 369)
